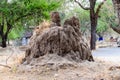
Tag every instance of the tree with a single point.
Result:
(116, 4)
(94, 14)
(105, 19)
(22, 11)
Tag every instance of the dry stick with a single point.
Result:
(5, 66)
(9, 56)
(7, 60)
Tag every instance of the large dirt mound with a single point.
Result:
(65, 41)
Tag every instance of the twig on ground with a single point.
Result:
(9, 56)
(5, 66)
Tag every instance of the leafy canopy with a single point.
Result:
(19, 12)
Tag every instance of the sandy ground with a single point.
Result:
(54, 68)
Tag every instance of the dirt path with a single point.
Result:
(83, 71)
(108, 54)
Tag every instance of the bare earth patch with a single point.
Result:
(54, 67)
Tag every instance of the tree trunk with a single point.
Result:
(4, 34)
(93, 30)
(4, 40)
(93, 19)
(4, 37)
(93, 37)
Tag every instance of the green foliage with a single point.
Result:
(70, 9)
(23, 12)
(106, 17)
(16, 32)
(80, 13)
(84, 20)
(13, 34)
(102, 26)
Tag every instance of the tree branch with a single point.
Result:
(23, 16)
(116, 29)
(9, 27)
(2, 25)
(99, 7)
(85, 8)
(0, 31)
